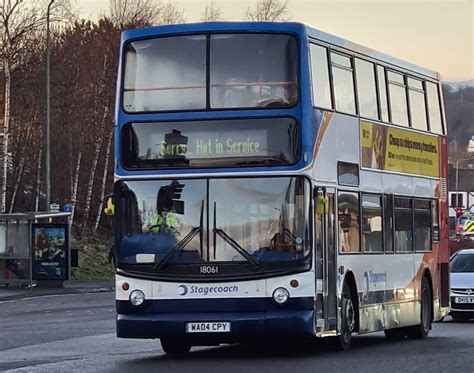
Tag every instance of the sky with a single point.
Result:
(436, 34)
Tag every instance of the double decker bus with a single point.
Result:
(273, 180)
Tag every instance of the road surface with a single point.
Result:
(76, 333)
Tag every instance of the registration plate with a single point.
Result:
(208, 327)
(464, 299)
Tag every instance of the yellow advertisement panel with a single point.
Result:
(395, 149)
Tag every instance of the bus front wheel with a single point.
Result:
(348, 320)
(175, 347)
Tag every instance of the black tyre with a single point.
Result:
(422, 330)
(175, 347)
(348, 320)
(460, 317)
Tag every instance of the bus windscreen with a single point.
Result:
(257, 221)
(214, 143)
(217, 71)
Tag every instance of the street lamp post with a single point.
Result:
(457, 178)
(48, 111)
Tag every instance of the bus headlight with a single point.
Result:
(137, 298)
(281, 295)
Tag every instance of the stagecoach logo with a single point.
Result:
(374, 279)
(207, 290)
(469, 291)
(183, 290)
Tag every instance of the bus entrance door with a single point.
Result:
(325, 256)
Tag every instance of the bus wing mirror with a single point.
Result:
(321, 205)
(109, 209)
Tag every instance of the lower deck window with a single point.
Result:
(372, 238)
(403, 234)
(348, 216)
(422, 225)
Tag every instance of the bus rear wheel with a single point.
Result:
(175, 347)
(422, 330)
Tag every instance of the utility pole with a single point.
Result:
(48, 111)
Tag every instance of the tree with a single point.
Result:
(19, 21)
(134, 13)
(211, 12)
(141, 13)
(170, 14)
(268, 10)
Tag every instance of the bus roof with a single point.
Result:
(294, 27)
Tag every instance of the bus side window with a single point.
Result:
(349, 223)
(320, 77)
(434, 111)
(372, 238)
(422, 224)
(398, 98)
(343, 81)
(416, 94)
(366, 92)
(388, 222)
(382, 93)
(403, 233)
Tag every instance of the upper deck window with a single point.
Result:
(165, 74)
(253, 70)
(320, 77)
(343, 83)
(434, 110)
(366, 89)
(398, 98)
(242, 70)
(417, 104)
(382, 93)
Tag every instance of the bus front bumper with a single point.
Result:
(244, 325)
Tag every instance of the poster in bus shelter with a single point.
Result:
(395, 149)
(50, 252)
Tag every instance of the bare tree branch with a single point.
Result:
(268, 10)
(19, 21)
(171, 14)
(134, 13)
(211, 12)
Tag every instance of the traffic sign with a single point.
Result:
(54, 207)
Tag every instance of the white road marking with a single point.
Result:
(53, 296)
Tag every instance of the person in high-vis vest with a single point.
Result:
(165, 221)
(165, 218)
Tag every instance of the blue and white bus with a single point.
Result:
(273, 181)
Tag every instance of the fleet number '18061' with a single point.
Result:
(209, 270)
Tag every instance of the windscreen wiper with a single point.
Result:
(178, 247)
(290, 235)
(232, 243)
(184, 242)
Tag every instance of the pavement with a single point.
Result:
(68, 287)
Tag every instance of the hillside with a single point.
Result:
(459, 105)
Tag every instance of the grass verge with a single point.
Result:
(93, 258)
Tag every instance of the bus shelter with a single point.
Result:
(34, 248)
